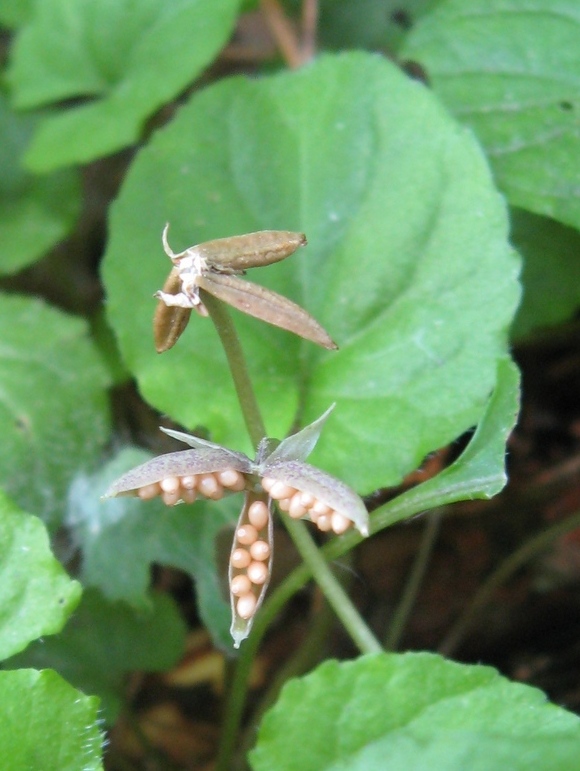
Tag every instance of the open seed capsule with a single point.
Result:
(178, 476)
(304, 490)
(250, 563)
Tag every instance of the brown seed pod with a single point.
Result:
(212, 259)
(250, 563)
(252, 250)
(169, 321)
(263, 304)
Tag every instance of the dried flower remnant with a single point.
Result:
(278, 474)
(212, 267)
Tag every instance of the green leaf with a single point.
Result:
(54, 415)
(14, 13)
(46, 724)
(103, 641)
(372, 24)
(551, 271)
(479, 472)
(131, 58)
(414, 710)
(36, 595)
(510, 69)
(126, 531)
(407, 267)
(35, 212)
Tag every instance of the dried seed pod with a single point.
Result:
(263, 304)
(236, 254)
(210, 266)
(169, 321)
(182, 464)
(257, 569)
(328, 493)
(252, 250)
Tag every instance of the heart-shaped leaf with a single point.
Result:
(104, 641)
(35, 211)
(407, 267)
(511, 71)
(131, 58)
(415, 710)
(36, 595)
(54, 415)
(45, 723)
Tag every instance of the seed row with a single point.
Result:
(174, 489)
(250, 559)
(299, 504)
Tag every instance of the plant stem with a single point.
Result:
(414, 581)
(231, 343)
(530, 549)
(333, 591)
(317, 566)
(283, 32)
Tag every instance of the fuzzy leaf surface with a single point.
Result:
(412, 710)
(121, 537)
(408, 265)
(46, 723)
(128, 58)
(36, 595)
(35, 211)
(103, 641)
(54, 414)
(510, 69)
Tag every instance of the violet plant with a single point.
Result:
(202, 277)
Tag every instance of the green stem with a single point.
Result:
(333, 591)
(317, 566)
(530, 549)
(231, 343)
(405, 606)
